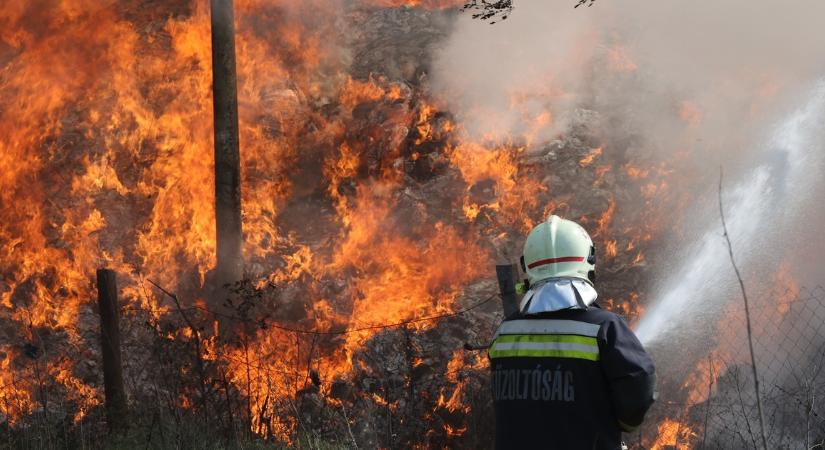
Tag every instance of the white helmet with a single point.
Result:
(559, 248)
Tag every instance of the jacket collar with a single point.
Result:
(556, 294)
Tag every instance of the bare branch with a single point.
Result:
(484, 10)
(747, 317)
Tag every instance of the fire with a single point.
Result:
(619, 59)
(454, 432)
(604, 221)
(610, 249)
(690, 113)
(635, 173)
(355, 92)
(513, 195)
(452, 398)
(788, 286)
(426, 4)
(595, 153)
(672, 434)
(107, 137)
(702, 381)
(406, 278)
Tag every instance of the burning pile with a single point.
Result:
(366, 204)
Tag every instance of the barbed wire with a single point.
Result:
(328, 332)
(253, 363)
(434, 377)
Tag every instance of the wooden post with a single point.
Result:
(507, 277)
(227, 153)
(116, 411)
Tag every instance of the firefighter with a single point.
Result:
(566, 374)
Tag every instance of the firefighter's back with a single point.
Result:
(552, 379)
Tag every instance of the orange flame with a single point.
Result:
(105, 163)
(672, 434)
(591, 156)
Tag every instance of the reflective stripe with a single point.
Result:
(544, 354)
(544, 346)
(548, 326)
(546, 339)
(570, 339)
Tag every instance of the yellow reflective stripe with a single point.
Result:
(545, 353)
(548, 338)
(545, 346)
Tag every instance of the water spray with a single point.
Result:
(771, 186)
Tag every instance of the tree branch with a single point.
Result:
(747, 318)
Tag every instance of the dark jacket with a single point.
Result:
(568, 380)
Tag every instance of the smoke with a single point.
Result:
(697, 85)
(499, 78)
(676, 71)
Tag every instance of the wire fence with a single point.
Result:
(372, 327)
(395, 364)
(183, 379)
(713, 405)
(706, 389)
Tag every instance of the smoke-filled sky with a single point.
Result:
(722, 66)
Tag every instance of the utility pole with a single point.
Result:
(227, 153)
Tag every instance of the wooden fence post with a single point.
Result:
(507, 274)
(116, 411)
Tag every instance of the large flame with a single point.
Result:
(105, 113)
